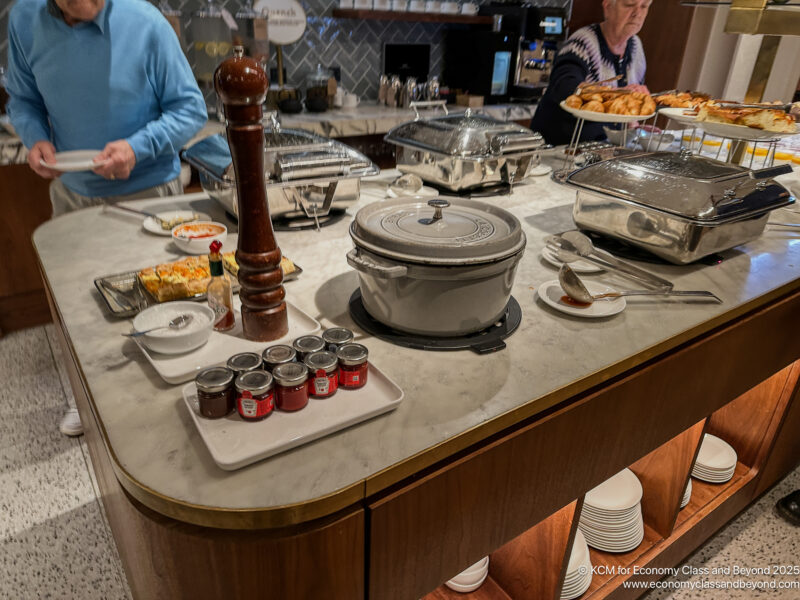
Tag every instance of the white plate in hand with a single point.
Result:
(550, 292)
(599, 117)
(579, 266)
(74, 160)
(153, 226)
(234, 443)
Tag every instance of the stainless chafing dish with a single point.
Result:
(307, 175)
(466, 151)
(678, 206)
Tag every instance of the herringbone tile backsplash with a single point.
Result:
(354, 45)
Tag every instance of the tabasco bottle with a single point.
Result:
(220, 295)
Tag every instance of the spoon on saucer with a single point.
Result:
(178, 322)
(575, 289)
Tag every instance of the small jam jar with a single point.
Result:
(215, 395)
(353, 365)
(254, 396)
(323, 374)
(278, 355)
(335, 337)
(308, 344)
(291, 386)
(244, 362)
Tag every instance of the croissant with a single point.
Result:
(593, 106)
(573, 101)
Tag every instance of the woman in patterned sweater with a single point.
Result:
(594, 53)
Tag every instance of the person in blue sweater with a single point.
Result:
(594, 53)
(107, 75)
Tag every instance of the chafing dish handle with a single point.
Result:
(771, 172)
(370, 267)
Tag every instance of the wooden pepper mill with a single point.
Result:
(242, 85)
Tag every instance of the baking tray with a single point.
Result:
(234, 443)
(221, 345)
(125, 296)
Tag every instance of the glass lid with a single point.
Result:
(438, 231)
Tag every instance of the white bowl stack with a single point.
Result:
(611, 519)
(687, 494)
(579, 569)
(470, 579)
(716, 461)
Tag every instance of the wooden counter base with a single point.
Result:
(740, 381)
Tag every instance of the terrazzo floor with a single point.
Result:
(55, 541)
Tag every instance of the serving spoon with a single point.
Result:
(575, 289)
(178, 322)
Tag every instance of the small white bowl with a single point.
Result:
(174, 341)
(196, 237)
(465, 589)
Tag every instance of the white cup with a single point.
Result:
(338, 99)
(345, 4)
(381, 4)
(400, 5)
(416, 6)
(362, 4)
(449, 7)
(350, 100)
(433, 6)
(469, 8)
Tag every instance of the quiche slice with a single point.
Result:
(229, 261)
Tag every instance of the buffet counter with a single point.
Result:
(555, 367)
(371, 118)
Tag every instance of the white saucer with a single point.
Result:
(550, 292)
(540, 171)
(152, 226)
(579, 266)
(423, 192)
(74, 160)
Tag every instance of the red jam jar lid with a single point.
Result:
(255, 382)
(278, 354)
(214, 380)
(308, 344)
(337, 336)
(325, 361)
(246, 361)
(351, 355)
(289, 374)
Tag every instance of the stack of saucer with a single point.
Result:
(579, 569)
(470, 579)
(611, 519)
(716, 461)
(687, 494)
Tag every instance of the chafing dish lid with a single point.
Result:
(438, 231)
(465, 136)
(688, 186)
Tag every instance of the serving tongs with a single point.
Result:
(568, 252)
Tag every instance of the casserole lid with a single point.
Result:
(693, 187)
(465, 136)
(438, 231)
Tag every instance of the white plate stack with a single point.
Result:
(470, 579)
(687, 494)
(579, 569)
(611, 519)
(716, 461)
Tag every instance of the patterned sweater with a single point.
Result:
(585, 57)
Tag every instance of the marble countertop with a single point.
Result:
(370, 118)
(448, 395)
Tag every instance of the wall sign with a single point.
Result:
(287, 20)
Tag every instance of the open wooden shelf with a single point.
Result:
(489, 590)
(390, 15)
(706, 495)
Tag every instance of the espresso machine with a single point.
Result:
(514, 60)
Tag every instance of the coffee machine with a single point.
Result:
(513, 61)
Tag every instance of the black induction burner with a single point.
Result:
(482, 342)
(299, 221)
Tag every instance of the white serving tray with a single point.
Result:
(235, 443)
(177, 368)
